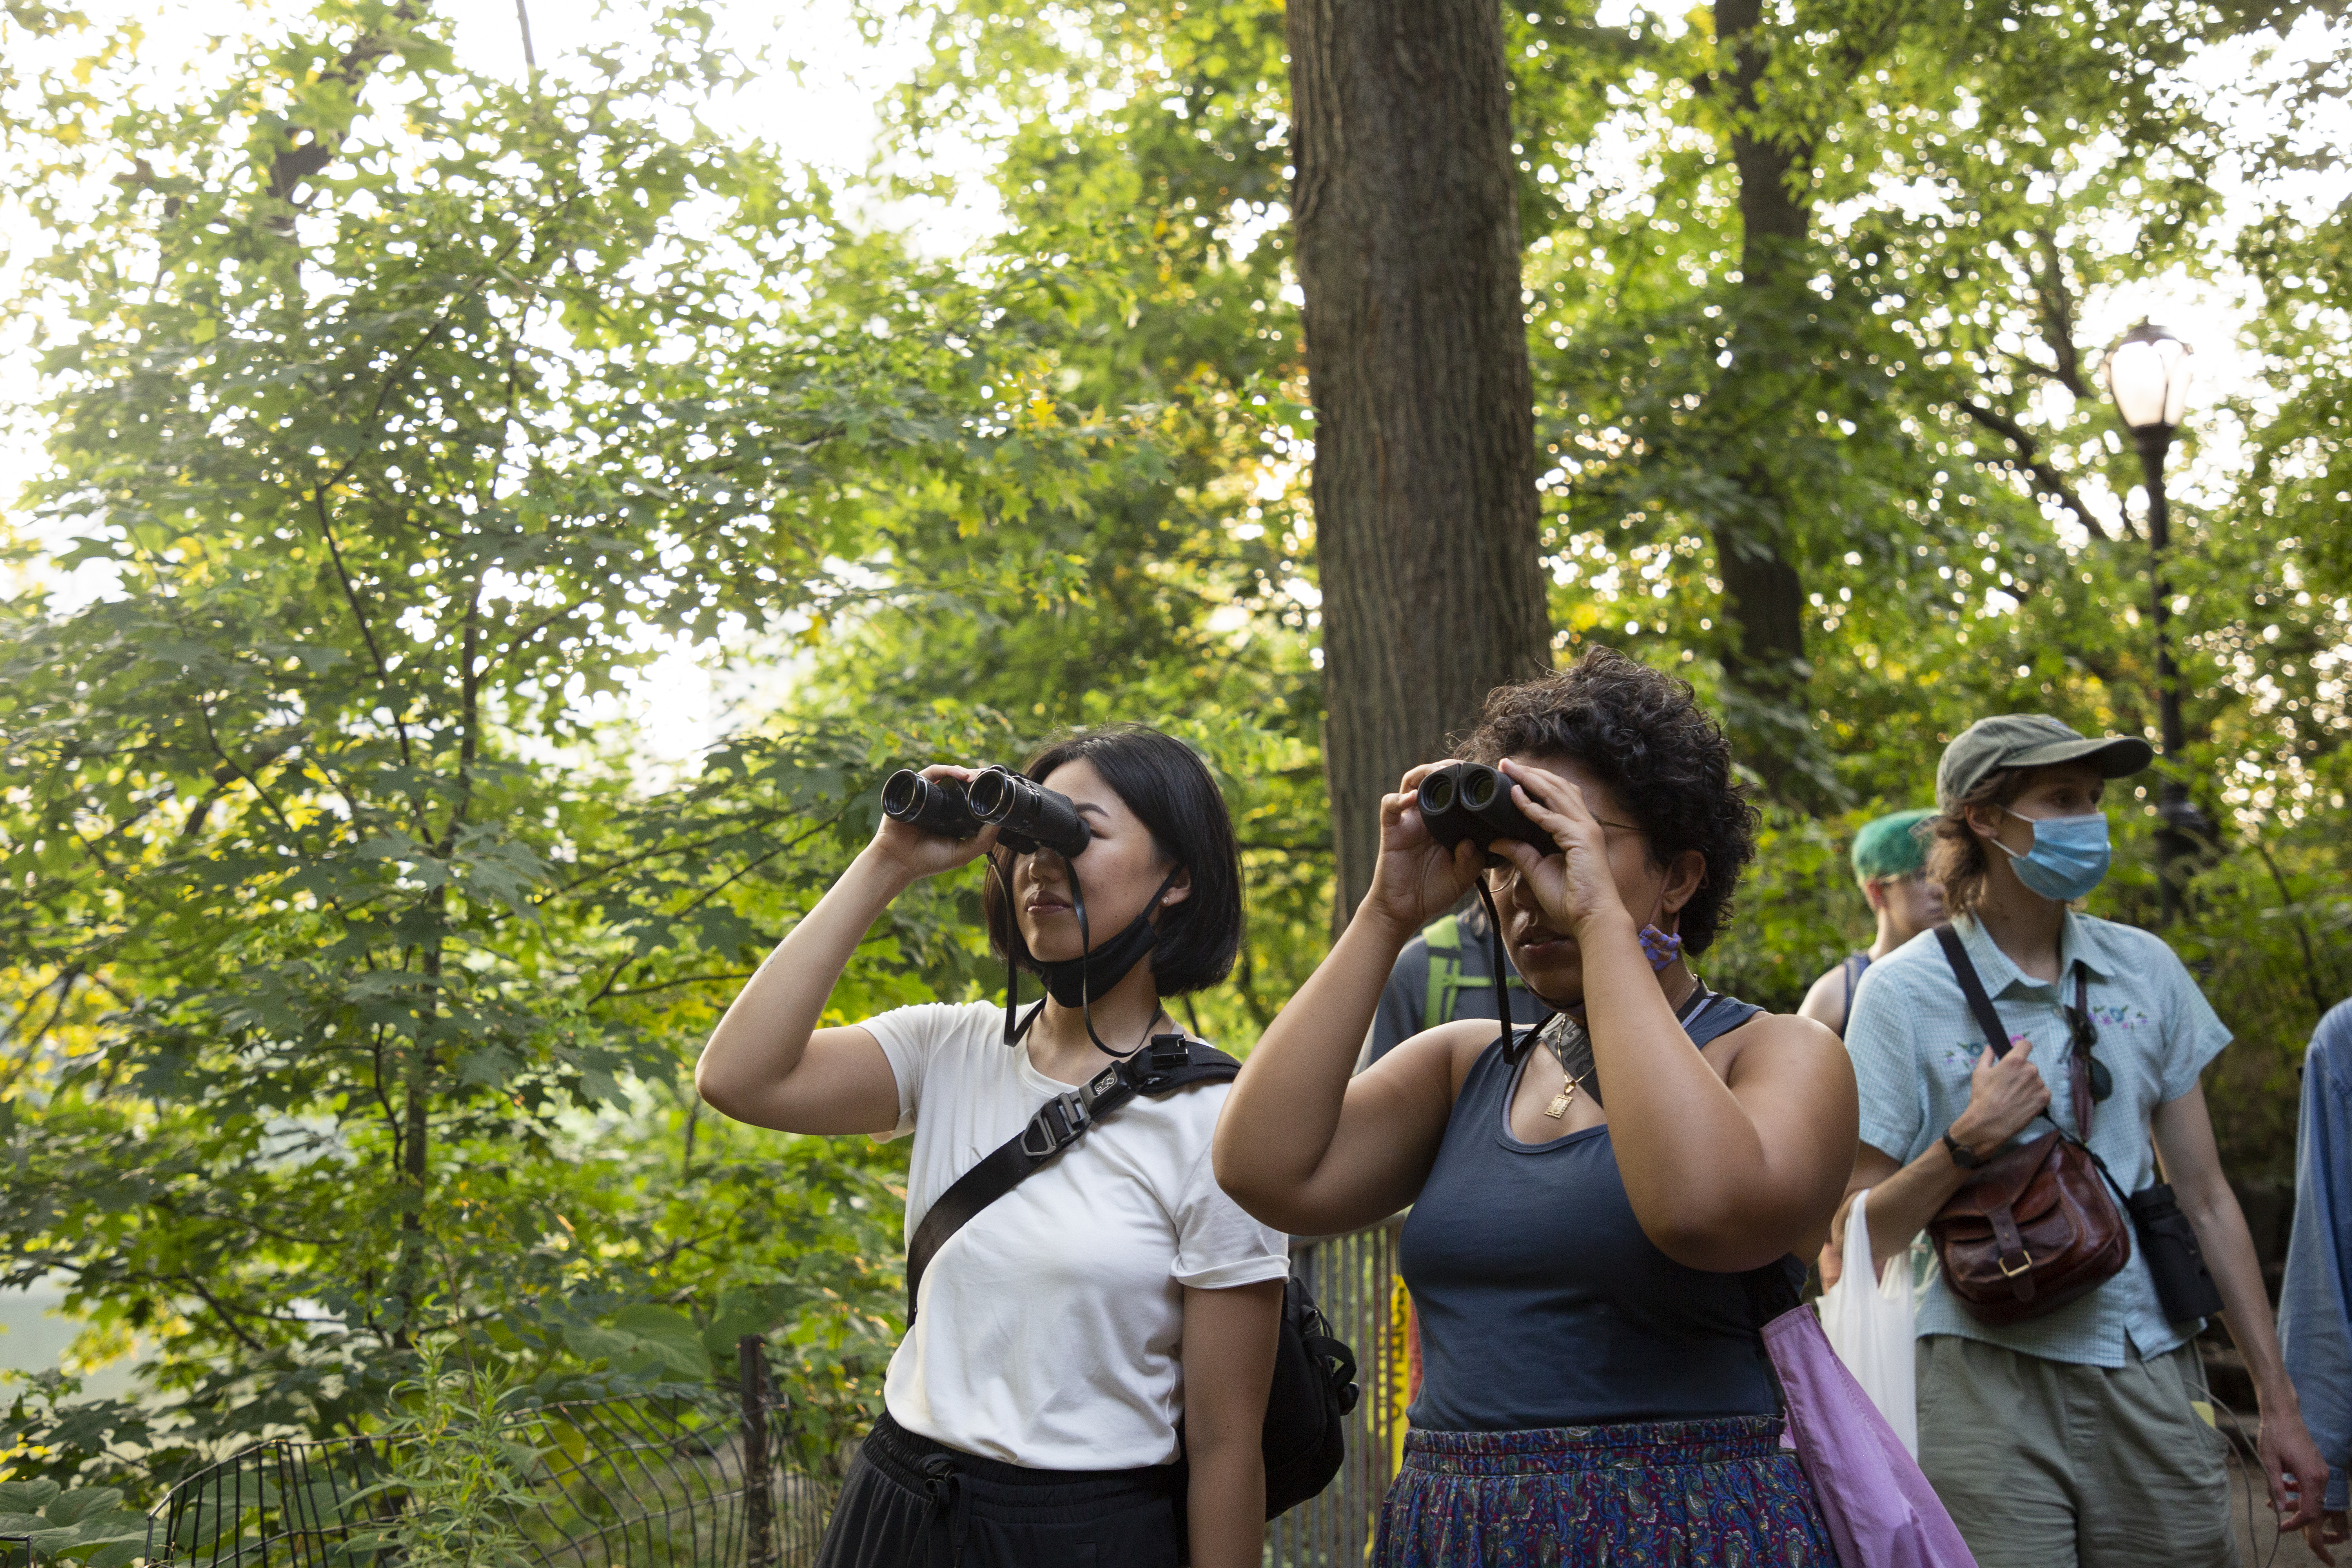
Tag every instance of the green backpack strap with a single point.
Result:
(1446, 979)
(1443, 936)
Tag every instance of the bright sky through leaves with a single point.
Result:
(817, 101)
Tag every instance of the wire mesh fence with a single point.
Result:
(1354, 1279)
(279, 1502)
(641, 1481)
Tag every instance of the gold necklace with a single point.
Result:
(1566, 1095)
(1560, 1102)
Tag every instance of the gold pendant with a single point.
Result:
(1558, 1106)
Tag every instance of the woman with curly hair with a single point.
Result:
(1590, 1282)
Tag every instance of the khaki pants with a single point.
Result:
(2048, 1465)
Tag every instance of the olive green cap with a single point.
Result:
(1890, 847)
(2030, 741)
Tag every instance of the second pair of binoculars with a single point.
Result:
(1026, 814)
(1472, 800)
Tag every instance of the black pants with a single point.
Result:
(910, 1503)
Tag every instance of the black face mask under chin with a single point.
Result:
(1076, 982)
(1073, 982)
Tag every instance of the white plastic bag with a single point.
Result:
(1868, 1322)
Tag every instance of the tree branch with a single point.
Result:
(224, 778)
(2058, 321)
(292, 165)
(65, 982)
(212, 738)
(359, 614)
(2029, 460)
(709, 893)
(228, 1321)
(682, 980)
(469, 687)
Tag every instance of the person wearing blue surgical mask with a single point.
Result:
(2065, 856)
(2069, 1436)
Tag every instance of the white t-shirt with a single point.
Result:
(1049, 1330)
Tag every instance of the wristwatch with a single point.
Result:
(1963, 1156)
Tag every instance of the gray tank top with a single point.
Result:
(1543, 1304)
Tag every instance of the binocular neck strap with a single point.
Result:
(1012, 1031)
(1511, 1052)
(1123, 949)
(1122, 952)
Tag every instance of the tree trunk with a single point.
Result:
(1763, 594)
(409, 1282)
(1406, 209)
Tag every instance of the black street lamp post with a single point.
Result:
(2146, 374)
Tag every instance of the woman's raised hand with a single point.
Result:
(1417, 879)
(1577, 886)
(915, 854)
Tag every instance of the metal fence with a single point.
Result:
(1354, 1279)
(686, 1482)
(649, 1482)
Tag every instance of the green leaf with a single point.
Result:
(670, 1334)
(19, 1498)
(83, 1503)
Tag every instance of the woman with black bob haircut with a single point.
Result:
(1590, 1282)
(1167, 787)
(1068, 1332)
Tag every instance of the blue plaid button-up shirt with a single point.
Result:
(1915, 1044)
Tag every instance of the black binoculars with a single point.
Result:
(938, 807)
(1028, 815)
(1471, 800)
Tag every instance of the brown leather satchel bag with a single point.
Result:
(2036, 1227)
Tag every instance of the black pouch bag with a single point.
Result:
(2176, 1263)
(2184, 1286)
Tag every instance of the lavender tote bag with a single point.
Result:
(1881, 1512)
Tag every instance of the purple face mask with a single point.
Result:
(1663, 947)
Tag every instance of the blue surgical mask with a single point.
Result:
(2069, 857)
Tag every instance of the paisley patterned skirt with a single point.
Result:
(1688, 1494)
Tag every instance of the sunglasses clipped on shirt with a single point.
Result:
(2082, 1034)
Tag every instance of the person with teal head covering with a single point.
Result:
(1890, 854)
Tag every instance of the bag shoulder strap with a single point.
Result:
(1773, 1290)
(1170, 1062)
(1955, 953)
(1855, 963)
(2078, 1058)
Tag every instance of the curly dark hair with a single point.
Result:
(1661, 755)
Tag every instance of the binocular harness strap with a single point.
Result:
(1170, 1062)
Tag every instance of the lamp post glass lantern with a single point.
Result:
(2146, 376)
(2147, 373)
